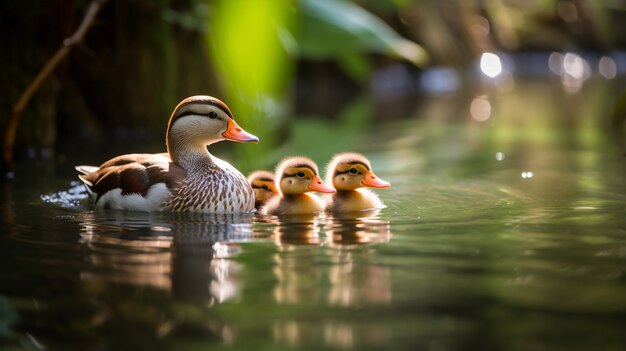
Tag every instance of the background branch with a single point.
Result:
(22, 102)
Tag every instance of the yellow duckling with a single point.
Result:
(295, 177)
(262, 183)
(349, 172)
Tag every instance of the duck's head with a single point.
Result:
(350, 171)
(201, 120)
(298, 175)
(262, 183)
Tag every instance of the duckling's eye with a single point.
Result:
(212, 115)
(300, 174)
(265, 187)
(353, 170)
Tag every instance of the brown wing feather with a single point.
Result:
(133, 179)
(143, 159)
(135, 173)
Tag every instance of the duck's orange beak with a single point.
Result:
(318, 185)
(373, 181)
(235, 133)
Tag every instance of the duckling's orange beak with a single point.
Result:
(373, 181)
(235, 133)
(318, 185)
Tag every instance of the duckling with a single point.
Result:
(187, 177)
(262, 183)
(349, 172)
(294, 177)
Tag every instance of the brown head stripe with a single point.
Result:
(263, 179)
(300, 166)
(353, 163)
(211, 102)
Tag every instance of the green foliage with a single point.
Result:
(246, 42)
(320, 139)
(335, 28)
(254, 46)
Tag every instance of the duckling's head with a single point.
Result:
(298, 175)
(262, 183)
(350, 171)
(200, 120)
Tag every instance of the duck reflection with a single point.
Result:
(201, 256)
(187, 255)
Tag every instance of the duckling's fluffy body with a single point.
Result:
(293, 204)
(353, 201)
(349, 173)
(294, 178)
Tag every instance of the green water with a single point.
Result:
(505, 234)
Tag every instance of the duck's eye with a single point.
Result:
(300, 174)
(353, 170)
(212, 115)
(265, 187)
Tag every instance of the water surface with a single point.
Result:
(501, 233)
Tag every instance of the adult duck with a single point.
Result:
(350, 173)
(295, 178)
(187, 177)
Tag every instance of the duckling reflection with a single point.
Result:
(184, 254)
(336, 334)
(357, 228)
(298, 238)
(297, 230)
(353, 283)
(349, 237)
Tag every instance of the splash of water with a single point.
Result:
(69, 198)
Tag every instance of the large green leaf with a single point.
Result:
(336, 28)
(247, 41)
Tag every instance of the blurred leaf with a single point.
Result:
(356, 66)
(320, 139)
(248, 43)
(335, 28)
